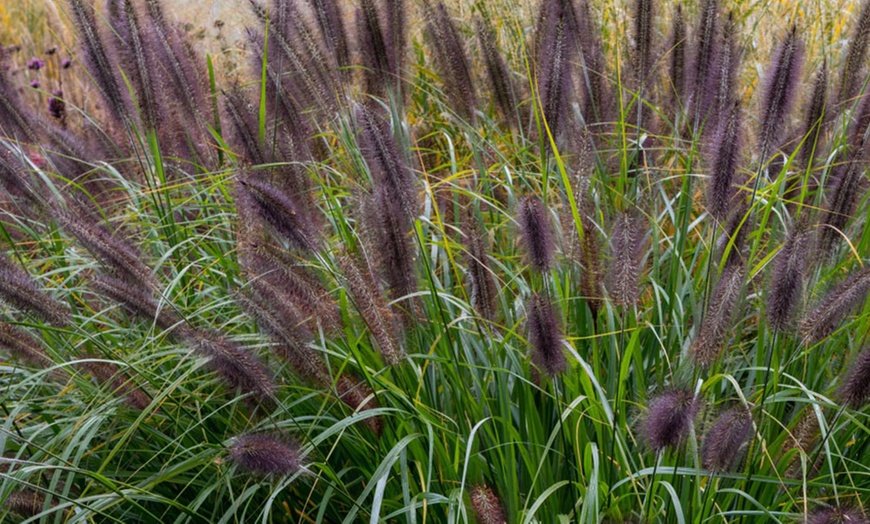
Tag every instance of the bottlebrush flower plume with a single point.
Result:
(21, 345)
(499, 77)
(815, 115)
(824, 319)
(536, 233)
(484, 293)
(545, 336)
(786, 285)
(451, 59)
(779, 93)
(677, 50)
(265, 454)
(719, 317)
(725, 441)
(280, 211)
(18, 288)
(856, 55)
(239, 368)
(487, 506)
(553, 63)
(376, 49)
(855, 390)
(626, 249)
(668, 419)
(725, 160)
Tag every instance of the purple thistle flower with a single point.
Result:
(668, 418)
(35, 84)
(35, 64)
(725, 442)
(265, 454)
(66, 63)
(56, 105)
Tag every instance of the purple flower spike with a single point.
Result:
(35, 64)
(35, 84)
(56, 105)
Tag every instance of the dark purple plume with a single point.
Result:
(668, 419)
(848, 181)
(626, 251)
(503, 91)
(779, 93)
(839, 303)
(112, 376)
(18, 288)
(724, 163)
(727, 63)
(137, 301)
(677, 70)
(554, 43)
(643, 39)
(25, 502)
(842, 515)
(386, 165)
(240, 369)
(133, 51)
(373, 308)
(815, 116)
(97, 61)
(718, 320)
(725, 442)
(331, 23)
(855, 390)
(786, 283)
(21, 345)
(265, 454)
(856, 55)
(452, 60)
(704, 57)
(484, 293)
(536, 233)
(545, 336)
(376, 49)
(278, 209)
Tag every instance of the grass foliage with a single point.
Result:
(575, 265)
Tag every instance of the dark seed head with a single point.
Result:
(725, 442)
(265, 454)
(837, 516)
(668, 418)
(545, 336)
(536, 234)
(855, 390)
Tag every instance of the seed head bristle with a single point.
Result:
(706, 51)
(18, 288)
(372, 308)
(815, 116)
(725, 441)
(643, 39)
(379, 67)
(23, 346)
(25, 502)
(265, 454)
(484, 294)
(112, 376)
(545, 336)
(718, 320)
(387, 167)
(855, 390)
(786, 285)
(780, 91)
(137, 300)
(503, 92)
(626, 250)
(824, 319)
(856, 54)
(487, 507)
(668, 418)
(282, 213)
(536, 233)
(677, 50)
(331, 23)
(117, 254)
(137, 58)
(451, 59)
(553, 68)
(725, 161)
(240, 369)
